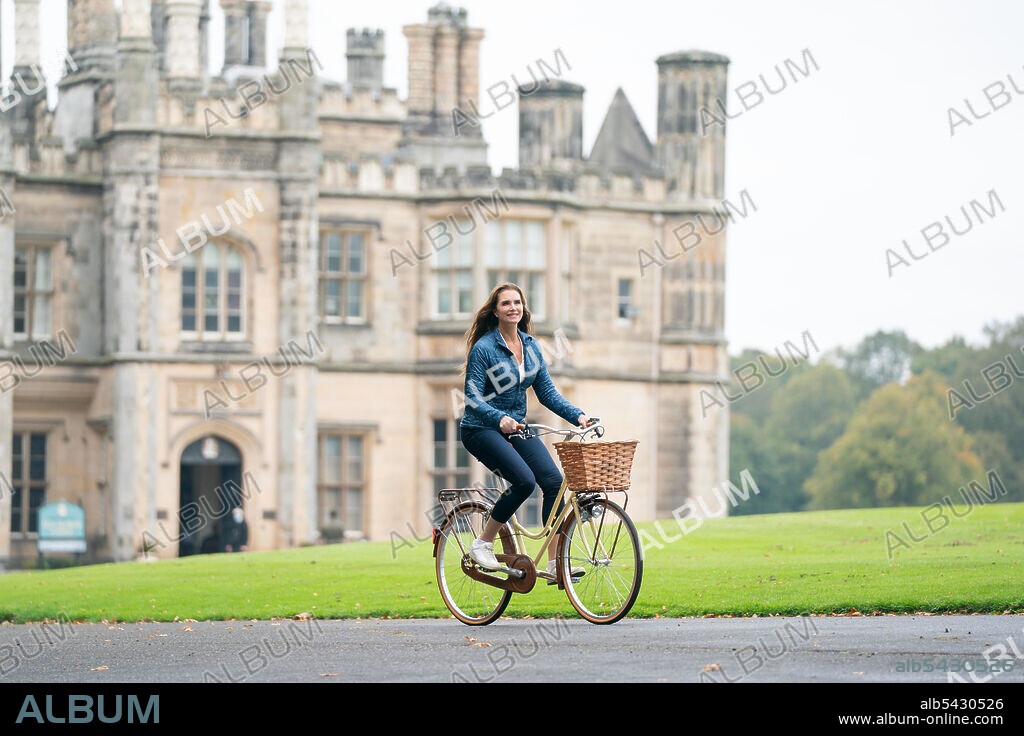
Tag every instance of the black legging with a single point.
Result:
(523, 463)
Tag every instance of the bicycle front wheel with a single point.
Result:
(470, 601)
(607, 547)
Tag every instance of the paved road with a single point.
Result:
(815, 649)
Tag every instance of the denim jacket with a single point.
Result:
(493, 389)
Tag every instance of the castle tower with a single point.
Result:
(551, 125)
(444, 74)
(297, 283)
(692, 154)
(92, 44)
(132, 156)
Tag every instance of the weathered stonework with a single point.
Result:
(126, 164)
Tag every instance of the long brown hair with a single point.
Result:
(485, 319)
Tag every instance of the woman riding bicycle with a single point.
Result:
(504, 360)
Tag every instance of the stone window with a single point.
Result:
(213, 293)
(451, 459)
(28, 481)
(343, 276)
(516, 251)
(341, 488)
(453, 274)
(33, 291)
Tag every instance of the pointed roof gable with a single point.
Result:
(622, 144)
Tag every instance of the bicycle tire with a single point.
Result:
(598, 574)
(490, 612)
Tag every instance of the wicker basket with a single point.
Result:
(597, 465)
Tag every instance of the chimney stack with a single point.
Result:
(236, 32)
(444, 70)
(183, 52)
(551, 126)
(92, 35)
(444, 74)
(27, 69)
(296, 27)
(26, 34)
(693, 160)
(158, 31)
(258, 12)
(136, 83)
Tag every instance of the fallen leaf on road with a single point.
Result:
(331, 674)
(96, 669)
(711, 667)
(480, 644)
(470, 639)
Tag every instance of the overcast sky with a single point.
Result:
(843, 165)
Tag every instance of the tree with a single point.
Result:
(899, 449)
(948, 360)
(751, 449)
(997, 422)
(879, 359)
(758, 403)
(808, 414)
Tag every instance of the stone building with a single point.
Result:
(232, 289)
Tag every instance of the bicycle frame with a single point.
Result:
(551, 528)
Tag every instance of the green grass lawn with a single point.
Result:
(815, 562)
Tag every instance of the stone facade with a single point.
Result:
(234, 258)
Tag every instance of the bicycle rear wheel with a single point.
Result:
(607, 547)
(472, 602)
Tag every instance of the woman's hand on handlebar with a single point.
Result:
(508, 425)
(585, 422)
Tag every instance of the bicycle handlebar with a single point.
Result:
(528, 431)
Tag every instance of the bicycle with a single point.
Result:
(609, 585)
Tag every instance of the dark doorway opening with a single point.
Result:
(211, 479)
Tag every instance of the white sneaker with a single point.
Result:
(577, 572)
(482, 553)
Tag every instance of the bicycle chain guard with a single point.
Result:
(516, 562)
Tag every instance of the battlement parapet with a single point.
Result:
(365, 39)
(369, 175)
(586, 185)
(49, 158)
(355, 101)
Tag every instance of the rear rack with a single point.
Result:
(449, 498)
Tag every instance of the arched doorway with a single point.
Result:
(211, 477)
